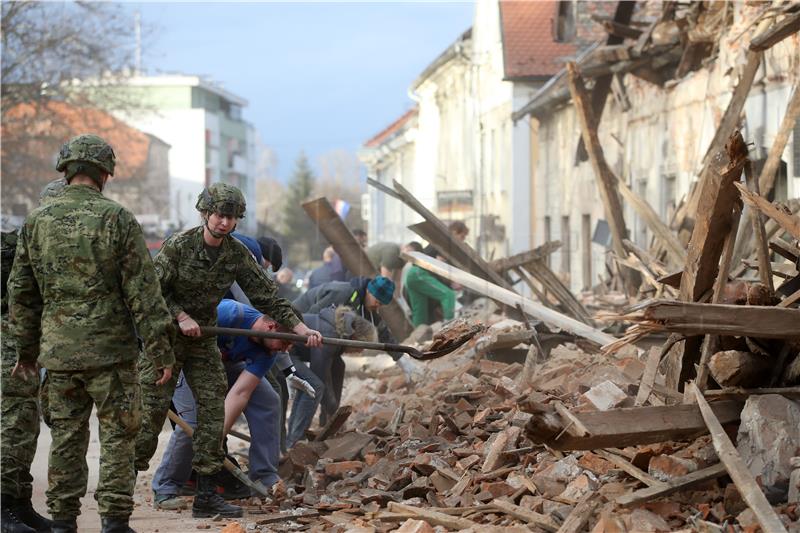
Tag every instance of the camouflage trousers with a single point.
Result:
(116, 394)
(202, 367)
(19, 427)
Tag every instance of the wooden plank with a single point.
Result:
(743, 394)
(788, 222)
(629, 469)
(602, 83)
(577, 427)
(512, 299)
(790, 300)
(766, 179)
(672, 486)
(580, 515)
(521, 259)
(336, 422)
(727, 125)
(544, 275)
(776, 33)
(456, 251)
(526, 515)
(435, 518)
(662, 233)
(736, 467)
(785, 250)
(648, 376)
(713, 221)
(355, 259)
(757, 223)
(719, 319)
(606, 180)
(632, 426)
(712, 341)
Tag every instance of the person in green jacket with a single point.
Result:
(196, 268)
(423, 288)
(82, 294)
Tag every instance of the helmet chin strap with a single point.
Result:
(216, 234)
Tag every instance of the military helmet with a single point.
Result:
(87, 148)
(52, 189)
(222, 198)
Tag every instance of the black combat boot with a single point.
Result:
(208, 503)
(115, 524)
(10, 522)
(26, 513)
(65, 526)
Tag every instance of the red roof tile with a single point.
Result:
(391, 128)
(529, 50)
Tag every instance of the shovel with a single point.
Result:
(446, 348)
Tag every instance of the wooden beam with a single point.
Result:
(791, 299)
(551, 283)
(628, 468)
(355, 259)
(712, 341)
(526, 515)
(662, 233)
(736, 467)
(672, 486)
(785, 249)
(775, 34)
(521, 259)
(336, 422)
(788, 222)
(580, 514)
(757, 223)
(434, 517)
(602, 83)
(648, 376)
(606, 180)
(631, 426)
(728, 123)
(766, 179)
(713, 221)
(507, 297)
(719, 319)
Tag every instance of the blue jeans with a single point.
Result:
(304, 407)
(263, 418)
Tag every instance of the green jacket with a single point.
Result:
(83, 285)
(191, 282)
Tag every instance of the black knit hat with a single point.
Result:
(272, 252)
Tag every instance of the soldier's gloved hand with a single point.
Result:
(298, 384)
(26, 371)
(413, 371)
(314, 336)
(188, 326)
(166, 375)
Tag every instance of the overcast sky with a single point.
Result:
(317, 76)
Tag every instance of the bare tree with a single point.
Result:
(56, 55)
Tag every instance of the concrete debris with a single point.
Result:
(768, 439)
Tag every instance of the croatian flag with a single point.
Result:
(342, 208)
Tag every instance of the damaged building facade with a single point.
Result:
(655, 129)
(493, 137)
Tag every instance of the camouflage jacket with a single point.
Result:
(83, 285)
(191, 282)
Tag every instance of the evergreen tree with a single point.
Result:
(301, 232)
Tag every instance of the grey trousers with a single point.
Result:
(263, 414)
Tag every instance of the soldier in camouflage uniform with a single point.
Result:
(81, 288)
(196, 268)
(20, 413)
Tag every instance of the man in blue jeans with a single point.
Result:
(246, 361)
